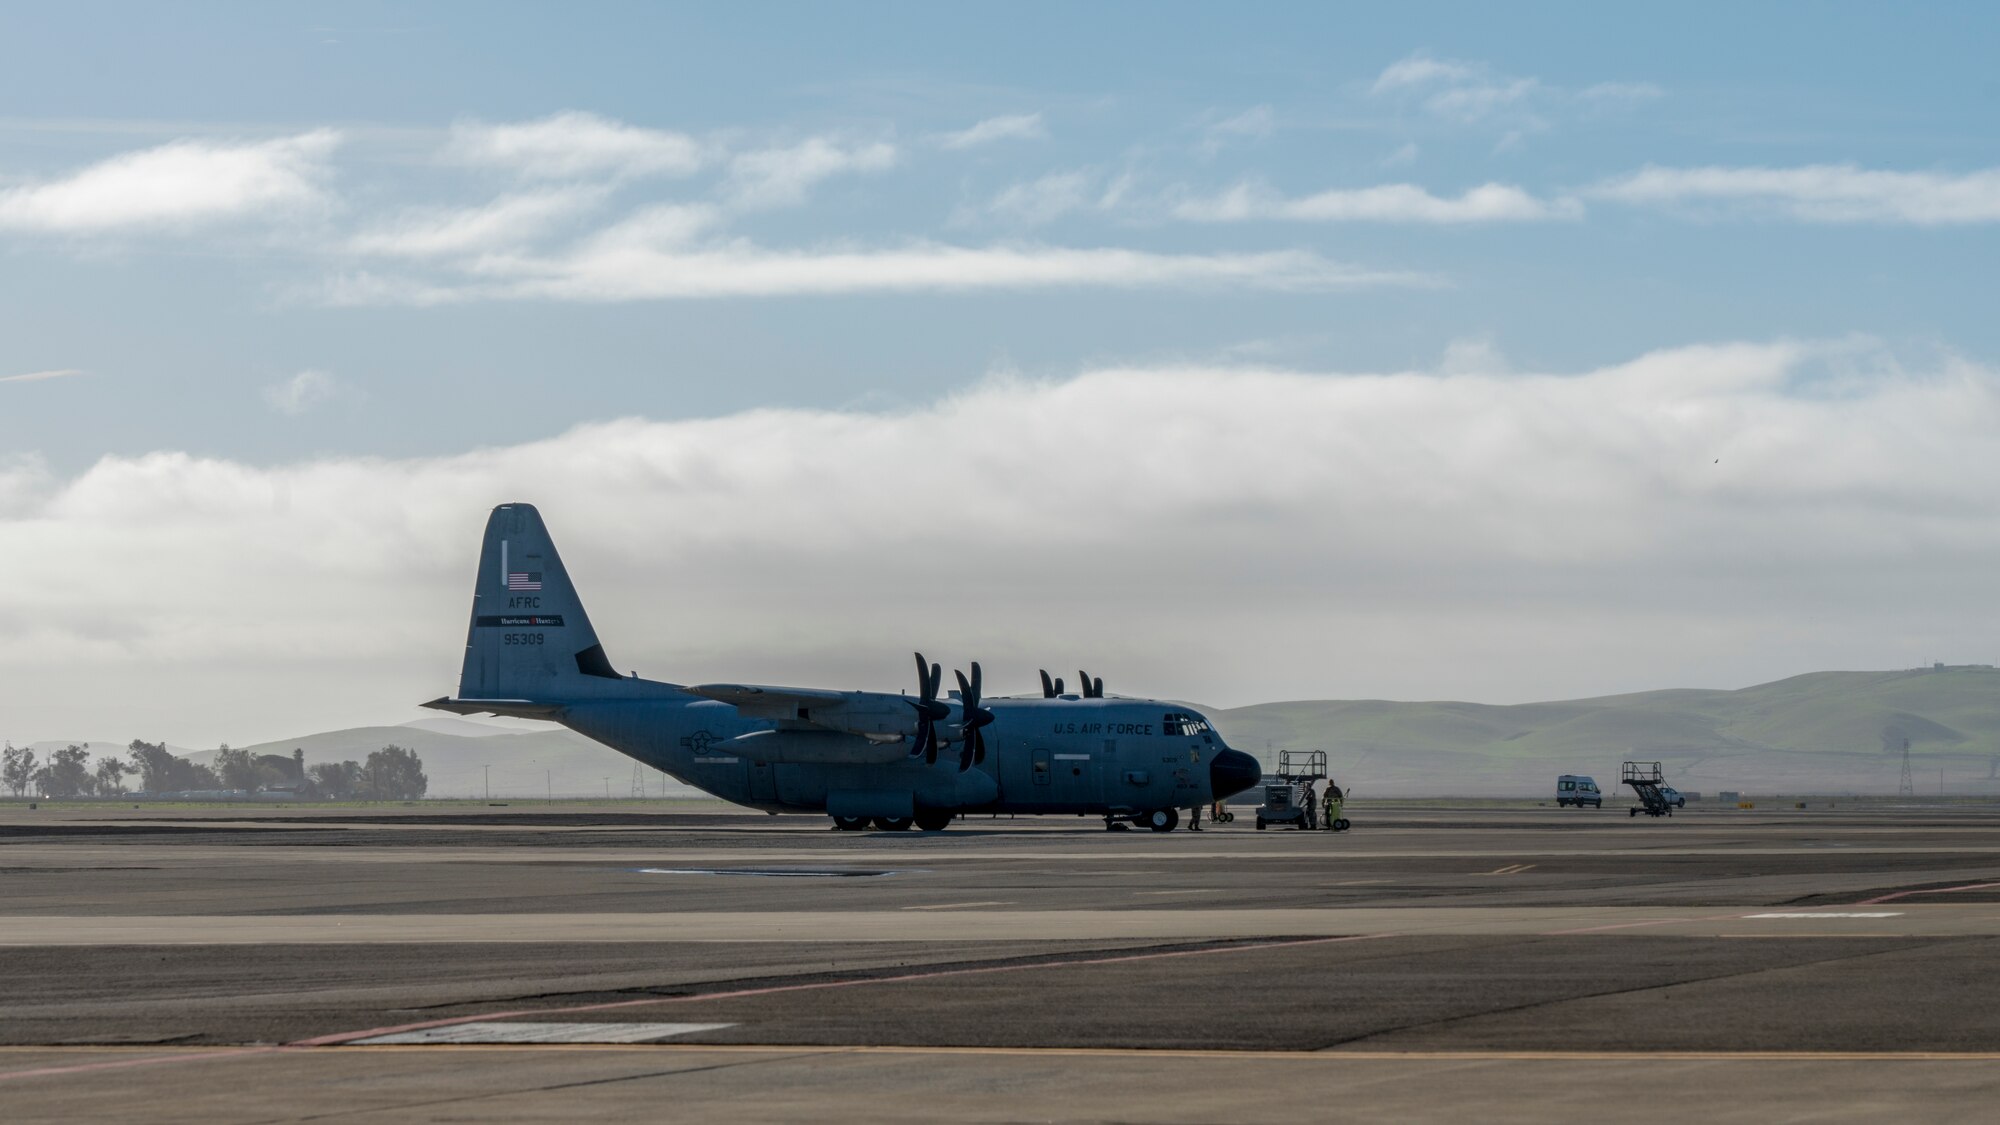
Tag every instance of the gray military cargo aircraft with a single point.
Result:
(865, 757)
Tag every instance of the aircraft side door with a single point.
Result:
(1075, 782)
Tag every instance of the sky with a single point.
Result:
(1235, 352)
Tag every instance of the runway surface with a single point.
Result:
(493, 964)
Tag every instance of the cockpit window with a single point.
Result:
(1180, 722)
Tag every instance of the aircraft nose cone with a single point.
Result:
(1232, 772)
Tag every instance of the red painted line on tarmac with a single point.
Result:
(123, 1064)
(849, 982)
(1932, 891)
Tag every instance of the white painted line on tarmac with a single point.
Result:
(488, 1032)
(1830, 914)
(956, 905)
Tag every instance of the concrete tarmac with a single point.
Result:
(1436, 963)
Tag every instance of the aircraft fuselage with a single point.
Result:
(1063, 755)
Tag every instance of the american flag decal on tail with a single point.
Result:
(519, 579)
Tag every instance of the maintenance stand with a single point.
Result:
(1645, 779)
(1290, 799)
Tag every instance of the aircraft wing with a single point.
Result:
(877, 715)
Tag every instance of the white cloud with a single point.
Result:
(38, 376)
(781, 177)
(1461, 91)
(1422, 70)
(613, 267)
(1478, 101)
(1477, 355)
(573, 145)
(1475, 93)
(1819, 193)
(177, 185)
(1257, 121)
(1039, 201)
(1706, 515)
(1252, 124)
(1387, 203)
(1020, 126)
(301, 392)
(507, 223)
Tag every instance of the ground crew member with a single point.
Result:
(1194, 825)
(1334, 799)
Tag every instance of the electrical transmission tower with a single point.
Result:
(1904, 788)
(639, 780)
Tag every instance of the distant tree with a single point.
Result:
(161, 771)
(238, 769)
(17, 768)
(394, 774)
(153, 765)
(336, 781)
(67, 773)
(111, 777)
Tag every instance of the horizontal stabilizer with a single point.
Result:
(513, 708)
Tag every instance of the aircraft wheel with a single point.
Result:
(1260, 823)
(1633, 812)
(934, 820)
(850, 823)
(893, 823)
(1162, 820)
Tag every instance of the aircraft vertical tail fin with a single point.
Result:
(529, 638)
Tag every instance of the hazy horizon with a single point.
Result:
(496, 725)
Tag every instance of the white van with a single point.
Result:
(1576, 789)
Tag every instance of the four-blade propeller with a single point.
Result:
(1092, 689)
(929, 711)
(974, 749)
(1050, 688)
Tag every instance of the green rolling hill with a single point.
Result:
(1825, 732)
